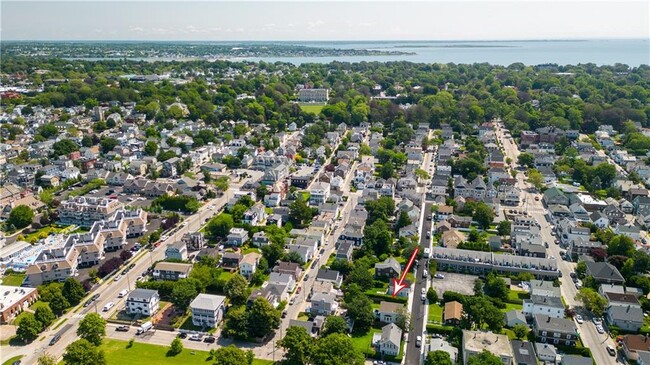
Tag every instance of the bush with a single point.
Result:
(450, 296)
(175, 348)
(125, 255)
(109, 266)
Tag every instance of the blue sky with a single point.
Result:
(323, 20)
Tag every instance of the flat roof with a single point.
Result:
(10, 295)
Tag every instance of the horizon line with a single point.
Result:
(333, 40)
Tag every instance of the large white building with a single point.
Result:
(143, 301)
(208, 310)
(84, 211)
(61, 258)
(313, 95)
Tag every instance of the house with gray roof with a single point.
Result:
(515, 317)
(555, 196)
(547, 353)
(604, 273)
(555, 330)
(439, 344)
(524, 352)
(541, 304)
(207, 310)
(390, 341)
(576, 360)
(626, 317)
(389, 268)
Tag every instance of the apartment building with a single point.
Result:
(84, 211)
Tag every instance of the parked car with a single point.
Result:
(306, 277)
(118, 277)
(182, 335)
(122, 328)
(579, 319)
(55, 339)
(210, 339)
(600, 329)
(418, 341)
(439, 276)
(611, 350)
(598, 321)
(195, 337)
(284, 314)
(292, 300)
(108, 306)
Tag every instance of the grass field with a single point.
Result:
(510, 306)
(435, 313)
(312, 108)
(117, 353)
(13, 279)
(364, 343)
(11, 361)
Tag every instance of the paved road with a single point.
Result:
(419, 309)
(109, 289)
(588, 334)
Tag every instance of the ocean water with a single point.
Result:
(601, 52)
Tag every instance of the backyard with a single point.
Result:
(13, 279)
(435, 313)
(363, 343)
(118, 352)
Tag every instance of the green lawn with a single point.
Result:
(435, 313)
(251, 249)
(10, 361)
(13, 279)
(363, 343)
(33, 307)
(510, 306)
(312, 108)
(117, 353)
(42, 233)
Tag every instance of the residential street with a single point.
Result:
(588, 334)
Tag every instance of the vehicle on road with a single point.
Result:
(418, 341)
(579, 319)
(597, 321)
(423, 291)
(210, 339)
(298, 290)
(425, 274)
(195, 337)
(423, 297)
(427, 252)
(146, 326)
(55, 339)
(122, 328)
(284, 314)
(306, 277)
(117, 278)
(536, 198)
(108, 306)
(611, 350)
(439, 276)
(123, 293)
(182, 335)
(292, 300)
(428, 234)
(600, 329)
(95, 297)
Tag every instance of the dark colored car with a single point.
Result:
(131, 266)
(95, 297)
(55, 339)
(182, 335)
(210, 339)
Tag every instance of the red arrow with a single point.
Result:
(399, 285)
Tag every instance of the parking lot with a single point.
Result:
(459, 283)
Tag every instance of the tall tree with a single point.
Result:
(483, 215)
(298, 345)
(336, 349)
(484, 358)
(44, 316)
(183, 293)
(46, 359)
(231, 355)
(236, 289)
(92, 328)
(438, 357)
(20, 216)
(335, 324)
(262, 318)
(73, 291)
(592, 301)
(82, 352)
(28, 328)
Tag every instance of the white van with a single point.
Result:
(427, 252)
(146, 326)
(108, 306)
(123, 293)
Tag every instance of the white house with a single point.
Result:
(388, 311)
(319, 193)
(248, 264)
(207, 310)
(547, 305)
(390, 340)
(143, 301)
(237, 236)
